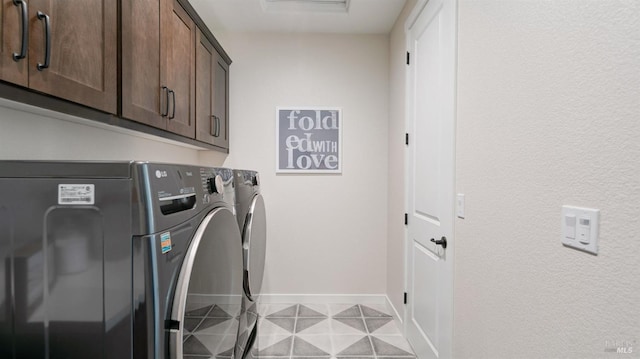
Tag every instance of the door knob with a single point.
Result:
(441, 242)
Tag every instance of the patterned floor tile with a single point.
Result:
(347, 345)
(350, 312)
(313, 311)
(391, 345)
(232, 310)
(287, 324)
(217, 312)
(354, 323)
(274, 346)
(193, 346)
(323, 331)
(225, 354)
(312, 345)
(391, 328)
(215, 325)
(228, 345)
(313, 325)
(196, 310)
(207, 345)
(263, 308)
(373, 324)
(268, 327)
(281, 311)
(190, 324)
(369, 312)
(336, 308)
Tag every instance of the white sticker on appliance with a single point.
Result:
(76, 194)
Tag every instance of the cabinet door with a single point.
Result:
(83, 51)
(205, 123)
(143, 99)
(211, 94)
(12, 26)
(221, 100)
(177, 49)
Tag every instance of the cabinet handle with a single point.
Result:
(173, 108)
(25, 30)
(215, 126)
(164, 113)
(47, 41)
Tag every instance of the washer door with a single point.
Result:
(254, 244)
(208, 295)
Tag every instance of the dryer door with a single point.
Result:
(254, 244)
(208, 295)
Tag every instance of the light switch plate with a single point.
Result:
(580, 228)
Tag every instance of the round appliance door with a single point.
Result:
(254, 244)
(208, 295)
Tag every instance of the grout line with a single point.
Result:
(295, 327)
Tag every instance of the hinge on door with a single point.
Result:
(405, 297)
(406, 219)
(408, 57)
(406, 139)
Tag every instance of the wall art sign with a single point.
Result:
(308, 140)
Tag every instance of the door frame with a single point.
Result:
(447, 350)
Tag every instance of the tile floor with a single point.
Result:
(208, 329)
(341, 331)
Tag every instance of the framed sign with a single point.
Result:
(308, 140)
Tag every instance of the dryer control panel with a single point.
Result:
(174, 187)
(172, 193)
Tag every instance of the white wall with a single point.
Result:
(326, 233)
(548, 114)
(396, 175)
(30, 133)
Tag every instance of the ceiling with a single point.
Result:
(363, 17)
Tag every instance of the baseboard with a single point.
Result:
(396, 316)
(323, 298)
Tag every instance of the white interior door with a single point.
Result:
(430, 177)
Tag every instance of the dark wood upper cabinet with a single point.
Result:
(211, 94)
(158, 57)
(143, 99)
(177, 51)
(14, 22)
(173, 74)
(221, 100)
(83, 51)
(71, 49)
(205, 123)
